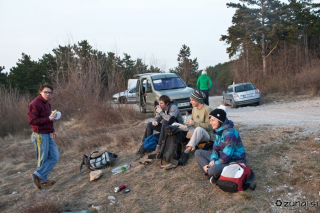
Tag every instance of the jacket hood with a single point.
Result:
(203, 76)
(41, 99)
(226, 124)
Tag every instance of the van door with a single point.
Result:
(150, 95)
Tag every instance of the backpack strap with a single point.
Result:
(84, 160)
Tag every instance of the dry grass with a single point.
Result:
(284, 160)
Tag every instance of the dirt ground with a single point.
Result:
(282, 142)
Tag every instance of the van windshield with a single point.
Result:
(245, 87)
(168, 83)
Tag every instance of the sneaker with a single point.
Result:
(183, 159)
(49, 183)
(37, 181)
(213, 180)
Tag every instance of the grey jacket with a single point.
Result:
(173, 115)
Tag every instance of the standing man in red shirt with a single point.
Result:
(43, 135)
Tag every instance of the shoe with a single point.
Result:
(49, 183)
(37, 181)
(213, 180)
(183, 159)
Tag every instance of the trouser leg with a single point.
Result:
(203, 158)
(199, 135)
(47, 154)
(206, 100)
(150, 128)
(216, 170)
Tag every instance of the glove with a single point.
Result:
(52, 117)
(158, 110)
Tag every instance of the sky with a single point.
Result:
(153, 30)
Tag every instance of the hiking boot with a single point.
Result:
(183, 159)
(213, 180)
(49, 183)
(37, 181)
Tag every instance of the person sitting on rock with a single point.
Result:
(227, 147)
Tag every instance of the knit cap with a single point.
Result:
(198, 96)
(219, 114)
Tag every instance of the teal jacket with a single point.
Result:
(204, 83)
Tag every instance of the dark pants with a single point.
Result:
(206, 100)
(203, 159)
(161, 127)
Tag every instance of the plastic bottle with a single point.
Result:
(119, 169)
(187, 116)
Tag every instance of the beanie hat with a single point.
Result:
(219, 114)
(204, 72)
(198, 96)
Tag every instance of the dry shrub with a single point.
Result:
(308, 79)
(43, 205)
(13, 111)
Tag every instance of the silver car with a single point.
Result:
(128, 96)
(241, 94)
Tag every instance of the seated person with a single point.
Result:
(166, 114)
(200, 121)
(227, 147)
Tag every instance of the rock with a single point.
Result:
(111, 197)
(96, 207)
(94, 175)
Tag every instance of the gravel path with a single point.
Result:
(304, 114)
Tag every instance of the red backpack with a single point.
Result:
(236, 177)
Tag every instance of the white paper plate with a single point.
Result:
(58, 115)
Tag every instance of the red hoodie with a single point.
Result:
(39, 111)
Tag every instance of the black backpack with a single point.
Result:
(172, 148)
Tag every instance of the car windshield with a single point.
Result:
(168, 83)
(245, 87)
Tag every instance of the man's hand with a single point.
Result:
(206, 168)
(155, 123)
(158, 110)
(54, 136)
(189, 122)
(52, 117)
(211, 163)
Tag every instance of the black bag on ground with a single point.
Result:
(102, 160)
(172, 148)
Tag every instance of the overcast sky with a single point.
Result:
(153, 30)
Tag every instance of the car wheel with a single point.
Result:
(122, 100)
(259, 103)
(224, 102)
(233, 104)
(142, 110)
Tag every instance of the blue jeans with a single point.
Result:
(47, 154)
